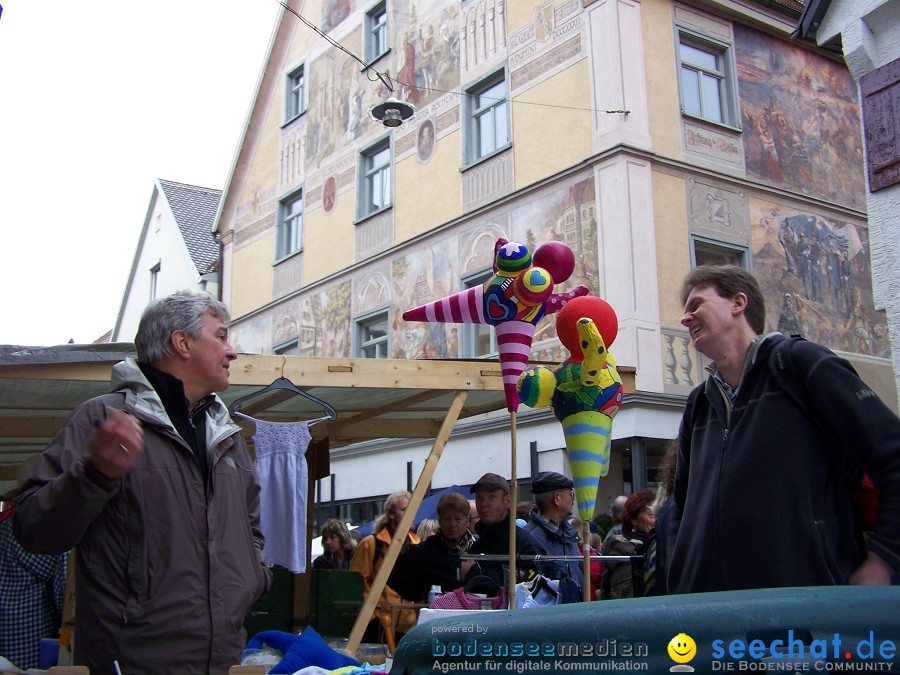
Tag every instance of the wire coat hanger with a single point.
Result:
(282, 384)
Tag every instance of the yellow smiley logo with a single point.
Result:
(682, 648)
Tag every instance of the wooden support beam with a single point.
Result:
(390, 557)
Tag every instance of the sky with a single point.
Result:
(97, 100)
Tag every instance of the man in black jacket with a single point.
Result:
(761, 498)
(492, 499)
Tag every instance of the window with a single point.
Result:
(376, 36)
(706, 89)
(289, 347)
(290, 226)
(707, 252)
(154, 280)
(296, 90)
(372, 334)
(375, 171)
(487, 112)
(478, 340)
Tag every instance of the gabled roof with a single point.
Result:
(195, 209)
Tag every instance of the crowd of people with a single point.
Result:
(153, 488)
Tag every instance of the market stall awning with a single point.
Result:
(374, 398)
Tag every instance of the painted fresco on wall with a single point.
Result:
(325, 322)
(800, 119)
(567, 215)
(419, 277)
(252, 337)
(423, 64)
(339, 99)
(816, 278)
(424, 60)
(335, 11)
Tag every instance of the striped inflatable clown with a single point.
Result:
(513, 300)
(585, 393)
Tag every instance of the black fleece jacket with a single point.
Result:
(494, 539)
(759, 498)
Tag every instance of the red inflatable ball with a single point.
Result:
(556, 258)
(594, 308)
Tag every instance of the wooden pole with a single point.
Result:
(514, 498)
(390, 556)
(586, 550)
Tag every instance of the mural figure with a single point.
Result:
(329, 194)
(787, 321)
(406, 71)
(333, 12)
(425, 140)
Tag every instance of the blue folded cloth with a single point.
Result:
(300, 651)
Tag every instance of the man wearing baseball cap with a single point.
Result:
(492, 500)
(548, 525)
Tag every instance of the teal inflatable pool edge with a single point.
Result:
(815, 630)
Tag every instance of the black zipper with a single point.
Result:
(718, 515)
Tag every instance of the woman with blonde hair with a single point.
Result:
(436, 562)
(426, 528)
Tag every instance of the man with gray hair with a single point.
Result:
(548, 525)
(154, 486)
(615, 514)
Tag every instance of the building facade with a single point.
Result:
(650, 136)
(867, 35)
(176, 250)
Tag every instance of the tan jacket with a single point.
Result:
(364, 562)
(165, 570)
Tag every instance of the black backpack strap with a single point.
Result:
(783, 368)
(781, 363)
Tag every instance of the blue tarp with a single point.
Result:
(427, 509)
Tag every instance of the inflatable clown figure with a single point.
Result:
(513, 300)
(585, 393)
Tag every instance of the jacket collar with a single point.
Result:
(482, 529)
(140, 394)
(749, 358)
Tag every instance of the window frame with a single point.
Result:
(474, 112)
(295, 94)
(290, 347)
(368, 171)
(718, 247)
(154, 279)
(362, 343)
(725, 74)
(376, 34)
(282, 252)
(469, 332)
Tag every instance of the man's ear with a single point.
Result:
(181, 344)
(739, 303)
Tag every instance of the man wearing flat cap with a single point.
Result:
(492, 501)
(548, 524)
